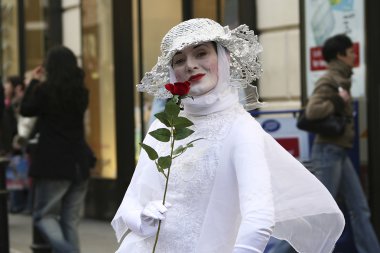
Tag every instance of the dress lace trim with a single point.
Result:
(214, 126)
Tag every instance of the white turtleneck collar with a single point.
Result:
(211, 103)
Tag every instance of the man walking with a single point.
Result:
(332, 164)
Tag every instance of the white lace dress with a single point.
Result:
(190, 184)
(232, 190)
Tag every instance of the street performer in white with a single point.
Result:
(237, 186)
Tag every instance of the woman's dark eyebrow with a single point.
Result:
(196, 46)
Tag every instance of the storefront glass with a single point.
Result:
(9, 38)
(35, 12)
(206, 9)
(98, 65)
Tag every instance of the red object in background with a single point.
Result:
(316, 59)
(291, 145)
(318, 63)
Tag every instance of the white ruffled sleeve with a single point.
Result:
(127, 217)
(255, 194)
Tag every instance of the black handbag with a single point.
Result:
(332, 125)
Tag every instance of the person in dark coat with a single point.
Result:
(8, 123)
(60, 165)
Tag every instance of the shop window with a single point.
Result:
(35, 32)
(9, 38)
(98, 66)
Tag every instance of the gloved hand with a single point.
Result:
(153, 212)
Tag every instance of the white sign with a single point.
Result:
(286, 133)
(326, 18)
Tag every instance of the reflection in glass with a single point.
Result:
(98, 66)
(9, 38)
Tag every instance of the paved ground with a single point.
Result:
(96, 236)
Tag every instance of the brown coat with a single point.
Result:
(325, 101)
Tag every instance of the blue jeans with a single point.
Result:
(278, 246)
(56, 213)
(333, 167)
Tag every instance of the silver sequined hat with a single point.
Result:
(241, 42)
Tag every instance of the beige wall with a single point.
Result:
(278, 24)
(277, 13)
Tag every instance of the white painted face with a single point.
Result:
(199, 65)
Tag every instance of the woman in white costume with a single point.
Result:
(237, 186)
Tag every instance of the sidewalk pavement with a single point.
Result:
(95, 236)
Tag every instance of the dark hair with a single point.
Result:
(15, 81)
(215, 46)
(65, 80)
(335, 45)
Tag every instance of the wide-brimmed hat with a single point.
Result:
(241, 43)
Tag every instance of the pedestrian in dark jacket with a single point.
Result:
(8, 123)
(60, 165)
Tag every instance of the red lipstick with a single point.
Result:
(196, 77)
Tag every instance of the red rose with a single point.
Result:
(180, 89)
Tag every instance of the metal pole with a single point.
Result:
(4, 226)
(21, 36)
(141, 66)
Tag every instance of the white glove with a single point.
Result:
(153, 212)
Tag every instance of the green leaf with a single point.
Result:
(190, 143)
(179, 150)
(182, 133)
(164, 162)
(150, 151)
(181, 122)
(163, 117)
(158, 167)
(161, 170)
(161, 134)
(172, 109)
